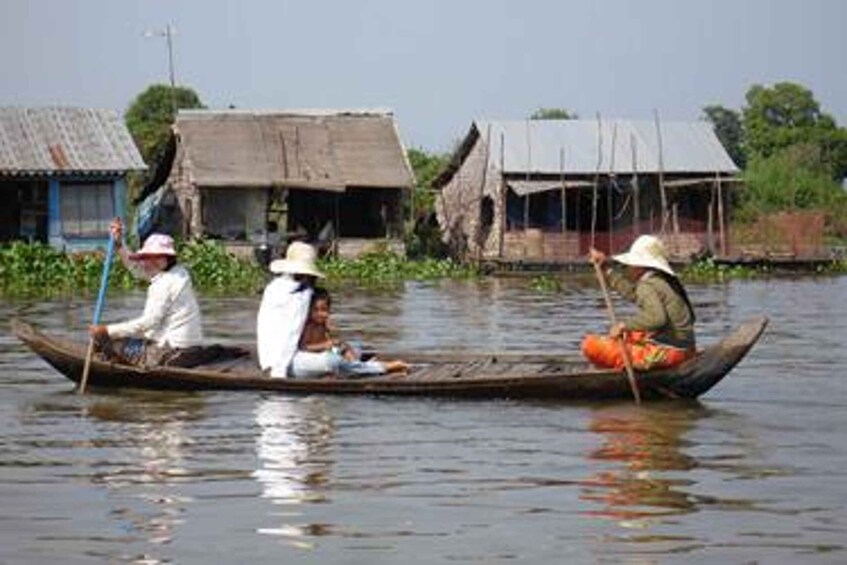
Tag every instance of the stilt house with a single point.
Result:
(546, 190)
(63, 175)
(335, 178)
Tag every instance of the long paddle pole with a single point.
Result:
(98, 309)
(630, 373)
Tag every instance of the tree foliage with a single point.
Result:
(730, 132)
(787, 114)
(426, 166)
(553, 114)
(424, 237)
(794, 178)
(151, 114)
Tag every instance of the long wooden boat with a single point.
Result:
(453, 375)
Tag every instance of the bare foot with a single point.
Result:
(396, 366)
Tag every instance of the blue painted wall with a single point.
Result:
(54, 221)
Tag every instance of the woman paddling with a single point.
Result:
(169, 331)
(661, 333)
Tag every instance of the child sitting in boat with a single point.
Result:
(317, 338)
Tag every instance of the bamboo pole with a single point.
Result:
(564, 193)
(528, 169)
(710, 221)
(662, 194)
(630, 372)
(721, 215)
(98, 310)
(595, 189)
(610, 188)
(502, 194)
(635, 192)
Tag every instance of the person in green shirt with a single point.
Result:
(661, 333)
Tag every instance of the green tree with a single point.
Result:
(787, 114)
(424, 236)
(728, 128)
(151, 114)
(553, 114)
(426, 166)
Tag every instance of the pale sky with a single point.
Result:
(437, 64)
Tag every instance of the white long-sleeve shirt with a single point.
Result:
(171, 314)
(282, 315)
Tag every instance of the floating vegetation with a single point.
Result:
(385, 267)
(36, 269)
(546, 283)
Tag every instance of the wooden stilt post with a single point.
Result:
(528, 175)
(502, 194)
(610, 194)
(596, 180)
(662, 195)
(721, 216)
(564, 194)
(636, 212)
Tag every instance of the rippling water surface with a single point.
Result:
(755, 471)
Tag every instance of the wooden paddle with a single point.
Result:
(630, 373)
(98, 309)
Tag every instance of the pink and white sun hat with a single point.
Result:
(157, 245)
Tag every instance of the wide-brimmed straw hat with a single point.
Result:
(646, 251)
(299, 259)
(157, 245)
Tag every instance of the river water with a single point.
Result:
(753, 472)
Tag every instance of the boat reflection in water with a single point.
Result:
(645, 449)
(294, 462)
(146, 467)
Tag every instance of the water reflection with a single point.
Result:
(293, 449)
(643, 446)
(152, 436)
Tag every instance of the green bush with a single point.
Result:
(215, 270)
(793, 179)
(39, 270)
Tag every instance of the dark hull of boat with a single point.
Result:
(446, 375)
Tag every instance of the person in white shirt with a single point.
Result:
(282, 316)
(170, 324)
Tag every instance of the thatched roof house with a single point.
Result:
(63, 174)
(322, 175)
(547, 190)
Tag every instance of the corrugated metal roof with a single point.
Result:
(536, 146)
(319, 149)
(60, 140)
(524, 187)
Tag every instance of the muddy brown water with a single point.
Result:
(753, 472)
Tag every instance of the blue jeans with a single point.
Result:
(310, 365)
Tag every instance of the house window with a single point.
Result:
(86, 209)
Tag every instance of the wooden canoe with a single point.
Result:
(452, 375)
